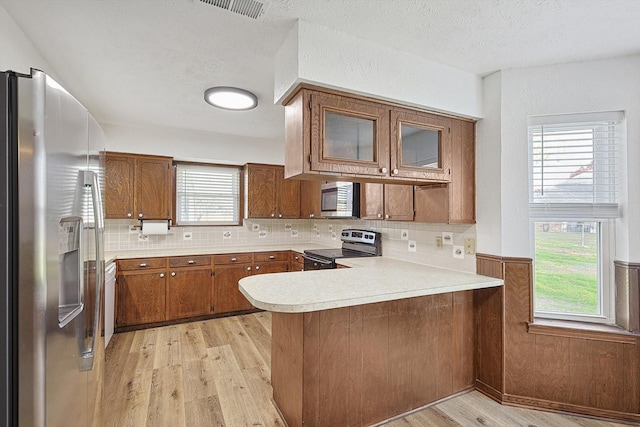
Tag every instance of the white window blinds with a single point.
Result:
(574, 162)
(207, 195)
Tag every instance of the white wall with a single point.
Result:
(17, 53)
(183, 144)
(369, 68)
(488, 168)
(603, 85)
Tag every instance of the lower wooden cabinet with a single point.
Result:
(228, 296)
(189, 293)
(270, 262)
(296, 262)
(141, 297)
(156, 290)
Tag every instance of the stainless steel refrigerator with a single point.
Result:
(51, 259)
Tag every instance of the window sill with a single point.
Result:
(584, 330)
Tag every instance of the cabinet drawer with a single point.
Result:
(189, 261)
(271, 256)
(141, 263)
(232, 259)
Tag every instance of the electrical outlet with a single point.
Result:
(255, 227)
(334, 235)
(133, 229)
(269, 229)
(412, 246)
(294, 233)
(330, 227)
(187, 235)
(317, 233)
(447, 237)
(404, 234)
(287, 227)
(458, 251)
(439, 242)
(226, 235)
(469, 246)
(142, 237)
(262, 234)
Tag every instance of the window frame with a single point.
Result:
(604, 214)
(237, 221)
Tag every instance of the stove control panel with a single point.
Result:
(360, 236)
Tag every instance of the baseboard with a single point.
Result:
(568, 408)
(489, 391)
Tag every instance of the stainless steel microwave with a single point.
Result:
(340, 200)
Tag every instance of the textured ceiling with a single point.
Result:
(148, 62)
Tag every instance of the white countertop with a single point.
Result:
(370, 280)
(208, 250)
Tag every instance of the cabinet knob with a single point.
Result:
(379, 215)
(296, 258)
(140, 215)
(386, 217)
(129, 215)
(383, 170)
(248, 268)
(161, 275)
(173, 274)
(312, 215)
(395, 171)
(234, 259)
(257, 267)
(191, 261)
(279, 215)
(273, 215)
(272, 257)
(143, 265)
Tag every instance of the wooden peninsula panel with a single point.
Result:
(361, 365)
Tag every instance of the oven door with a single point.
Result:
(316, 263)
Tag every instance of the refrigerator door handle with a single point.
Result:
(91, 180)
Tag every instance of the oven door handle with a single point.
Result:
(314, 259)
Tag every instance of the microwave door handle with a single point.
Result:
(91, 180)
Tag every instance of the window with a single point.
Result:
(207, 194)
(573, 204)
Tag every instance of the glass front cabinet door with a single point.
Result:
(349, 136)
(420, 146)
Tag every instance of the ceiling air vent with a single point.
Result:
(250, 8)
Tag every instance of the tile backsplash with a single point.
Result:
(122, 235)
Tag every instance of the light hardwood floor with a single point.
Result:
(217, 373)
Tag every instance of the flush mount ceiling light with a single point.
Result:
(230, 98)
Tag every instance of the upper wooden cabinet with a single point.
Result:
(268, 194)
(420, 146)
(137, 186)
(310, 195)
(348, 136)
(392, 202)
(453, 203)
(342, 136)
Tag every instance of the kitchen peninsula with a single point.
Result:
(356, 346)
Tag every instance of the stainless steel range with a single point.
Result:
(355, 243)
